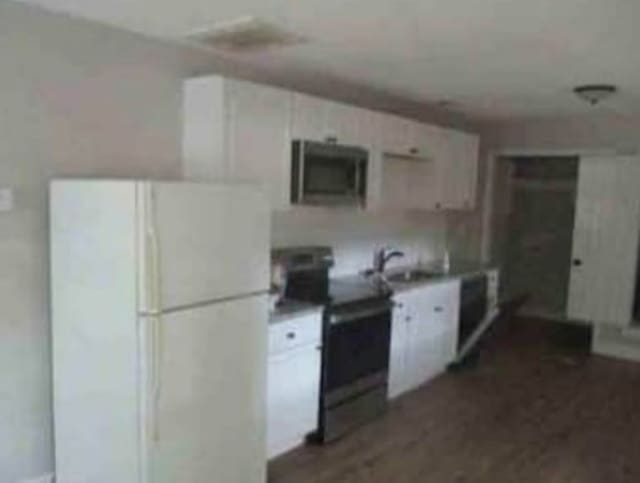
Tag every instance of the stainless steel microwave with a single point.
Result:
(328, 174)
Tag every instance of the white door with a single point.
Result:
(259, 147)
(206, 418)
(605, 240)
(205, 242)
(292, 398)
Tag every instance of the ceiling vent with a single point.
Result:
(248, 34)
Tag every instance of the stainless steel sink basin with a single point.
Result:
(409, 276)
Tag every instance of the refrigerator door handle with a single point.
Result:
(154, 296)
(156, 373)
(153, 271)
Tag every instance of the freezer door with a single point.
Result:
(202, 243)
(206, 393)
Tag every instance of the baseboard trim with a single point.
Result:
(616, 343)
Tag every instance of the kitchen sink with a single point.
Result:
(415, 275)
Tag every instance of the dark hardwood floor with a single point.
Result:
(533, 410)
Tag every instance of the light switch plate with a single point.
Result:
(6, 199)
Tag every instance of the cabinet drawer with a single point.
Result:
(296, 332)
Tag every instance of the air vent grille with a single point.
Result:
(247, 34)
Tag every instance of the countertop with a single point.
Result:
(458, 269)
(291, 309)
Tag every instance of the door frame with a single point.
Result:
(494, 155)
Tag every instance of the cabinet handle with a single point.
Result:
(438, 206)
(407, 319)
(331, 139)
(414, 150)
(577, 262)
(438, 309)
(291, 335)
(399, 305)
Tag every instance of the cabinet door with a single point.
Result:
(605, 240)
(423, 354)
(309, 118)
(399, 136)
(394, 195)
(258, 136)
(204, 131)
(292, 398)
(457, 170)
(421, 186)
(433, 331)
(408, 184)
(398, 377)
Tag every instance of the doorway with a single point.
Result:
(540, 212)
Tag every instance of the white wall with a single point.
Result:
(355, 235)
(75, 99)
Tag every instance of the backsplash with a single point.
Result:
(354, 235)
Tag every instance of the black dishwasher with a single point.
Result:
(473, 306)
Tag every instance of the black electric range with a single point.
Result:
(356, 338)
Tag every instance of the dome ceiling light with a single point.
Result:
(595, 93)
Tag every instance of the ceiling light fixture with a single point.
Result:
(595, 93)
(246, 34)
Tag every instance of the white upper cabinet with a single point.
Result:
(457, 163)
(408, 184)
(205, 126)
(258, 139)
(402, 137)
(316, 119)
(238, 131)
(605, 240)
(310, 118)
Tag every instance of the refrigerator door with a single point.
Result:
(206, 391)
(201, 243)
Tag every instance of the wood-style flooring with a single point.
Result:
(533, 410)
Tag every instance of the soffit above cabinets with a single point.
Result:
(493, 59)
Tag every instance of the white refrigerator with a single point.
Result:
(159, 327)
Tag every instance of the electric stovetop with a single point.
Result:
(354, 289)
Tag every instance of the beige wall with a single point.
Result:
(74, 100)
(79, 99)
(601, 130)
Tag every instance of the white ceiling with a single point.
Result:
(494, 58)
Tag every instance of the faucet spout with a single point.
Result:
(382, 257)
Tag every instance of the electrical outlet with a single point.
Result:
(6, 199)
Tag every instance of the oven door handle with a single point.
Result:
(347, 316)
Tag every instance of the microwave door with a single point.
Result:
(328, 174)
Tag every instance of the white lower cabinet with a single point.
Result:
(423, 335)
(293, 382)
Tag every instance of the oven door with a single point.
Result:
(356, 357)
(328, 174)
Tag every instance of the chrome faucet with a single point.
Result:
(382, 256)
